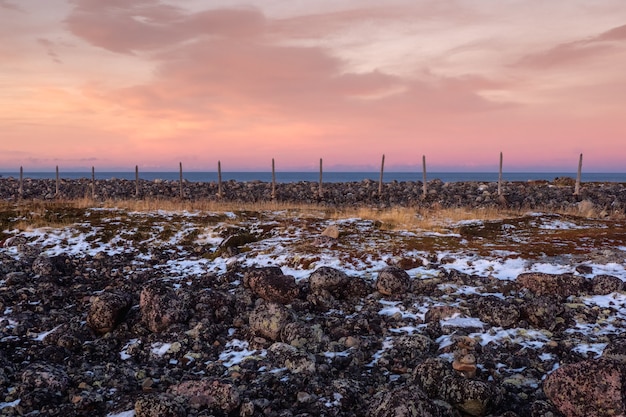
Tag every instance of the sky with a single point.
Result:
(119, 83)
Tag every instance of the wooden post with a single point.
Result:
(20, 191)
(56, 194)
(380, 182)
(580, 167)
(136, 180)
(424, 191)
(93, 183)
(219, 179)
(500, 176)
(321, 190)
(273, 180)
(180, 169)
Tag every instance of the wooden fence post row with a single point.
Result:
(320, 192)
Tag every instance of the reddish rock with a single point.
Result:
(272, 285)
(393, 280)
(561, 285)
(591, 388)
(606, 284)
(107, 311)
(212, 394)
(161, 307)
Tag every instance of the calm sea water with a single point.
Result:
(286, 177)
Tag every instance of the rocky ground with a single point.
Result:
(554, 195)
(118, 313)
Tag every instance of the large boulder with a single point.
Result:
(606, 284)
(108, 310)
(497, 312)
(208, 393)
(542, 312)
(591, 388)
(161, 405)
(402, 401)
(337, 283)
(559, 285)
(393, 281)
(161, 307)
(269, 319)
(272, 285)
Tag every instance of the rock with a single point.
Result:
(162, 405)
(542, 311)
(591, 388)
(50, 377)
(497, 312)
(269, 319)
(606, 284)
(210, 393)
(470, 396)
(107, 311)
(328, 279)
(437, 313)
(584, 269)
(337, 283)
(561, 285)
(292, 358)
(52, 266)
(404, 402)
(272, 285)
(331, 231)
(393, 281)
(615, 350)
(161, 307)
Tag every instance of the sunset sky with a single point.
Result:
(119, 83)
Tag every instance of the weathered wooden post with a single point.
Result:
(273, 180)
(219, 179)
(424, 191)
(136, 180)
(500, 176)
(56, 194)
(580, 167)
(20, 191)
(93, 183)
(380, 182)
(321, 190)
(180, 182)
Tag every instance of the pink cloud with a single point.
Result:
(579, 50)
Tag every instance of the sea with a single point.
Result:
(290, 177)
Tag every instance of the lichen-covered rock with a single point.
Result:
(208, 393)
(615, 350)
(591, 388)
(429, 374)
(292, 358)
(108, 310)
(470, 396)
(329, 279)
(437, 313)
(50, 377)
(606, 284)
(561, 285)
(162, 405)
(542, 312)
(497, 312)
(272, 285)
(393, 280)
(161, 307)
(337, 283)
(404, 402)
(269, 319)
(413, 346)
(55, 266)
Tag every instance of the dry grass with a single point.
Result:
(57, 213)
